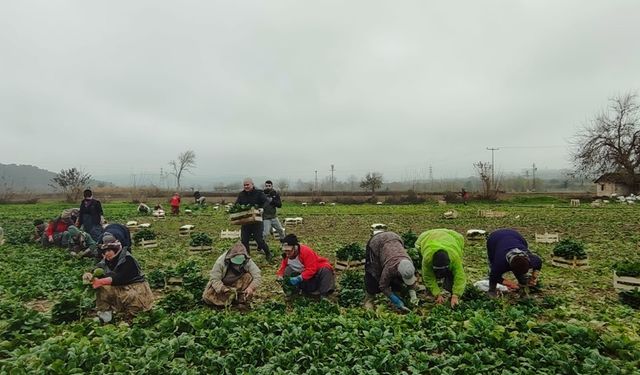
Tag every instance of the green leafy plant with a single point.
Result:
(240, 208)
(351, 289)
(627, 268)
(416, 258)
(144, 234)
(569, 249)
(631, 298)
(200, 239)
(409, 238)
(352, 251)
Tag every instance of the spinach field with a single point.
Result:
(576, 324)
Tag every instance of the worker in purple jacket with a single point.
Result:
(508, 251)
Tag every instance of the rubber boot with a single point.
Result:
(368, 301)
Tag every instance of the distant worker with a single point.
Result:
(255, 197)
(269, 216)
(175, 204)
(464, 195)
(123, 287)
(234, 278)
(199, 198)
(508, 251)
(389, 269)
(442, 271)
(308, 272)
(91, 215)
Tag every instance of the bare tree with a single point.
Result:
(610, 142)
(483, 168)
(372, 181)
(72, 182)
(185, 162)
(282, 185)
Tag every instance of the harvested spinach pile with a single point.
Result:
(627, 268)
(240, 208)
(200, 239)
(144, 234)
(569, 249)
(352, 251)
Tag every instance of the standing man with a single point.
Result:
(508, 251)
(269, 216)
(91, 216)
(388, 269)
(442, 270)
(251, 195)
(175, 204)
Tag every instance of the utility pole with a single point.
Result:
(315, 185)
(492, 149)
(332, 170)
(533, 170)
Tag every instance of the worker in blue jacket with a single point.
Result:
(508, 251)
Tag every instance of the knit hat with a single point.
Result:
(440, 263)
(407, 271)
(518, 261)
(108, 238)
(291, 240)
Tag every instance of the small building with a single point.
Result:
(614, 183)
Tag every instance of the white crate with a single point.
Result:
(491, 213)
(575, 202)
(144, 225)
(292, 221)
(547, 237)
(186, 229)
(452, 214)
(233, 234)
(622, 283)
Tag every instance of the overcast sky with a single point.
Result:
(284, 88)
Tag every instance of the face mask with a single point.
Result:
(238, 259)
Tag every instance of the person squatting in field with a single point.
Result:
(388, 269)
(91, 216)
(123, 288)
(54, 232)
(255, 197)
(80, 243)
(442, 271)
(508, 251)
(234, 278)
(269, 215)
(304, 269)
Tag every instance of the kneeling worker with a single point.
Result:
(388, 269)
(442, 270)
(234, 278)
(123, 288)
(310, 273)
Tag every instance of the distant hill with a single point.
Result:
(21, 177)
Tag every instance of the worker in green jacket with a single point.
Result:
(442, 270)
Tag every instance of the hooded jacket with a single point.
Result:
(384, 252)
(85, 241)
(453, 243)
(311, 261)
(123, 269)
(499, 243)
(221, 266)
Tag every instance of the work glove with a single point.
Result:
(295, 280)
(413, 298)
(397, 302)
(97, 283)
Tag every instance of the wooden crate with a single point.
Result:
(147, 244)
(476, 235)
(491, 213)
(144, 225)
(293, 221)
(246, 217)
(132, 226)
(188, 212)
(621, 283)
(201, 248)
(452, 214)
(186, 229)
(230, 234)
(349, 265)
(547, 237)
(575, 202)
(574, 263)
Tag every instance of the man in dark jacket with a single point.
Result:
(388, 269)
(90, 217)
(251, 195)
(269, 216)
(508, 251)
